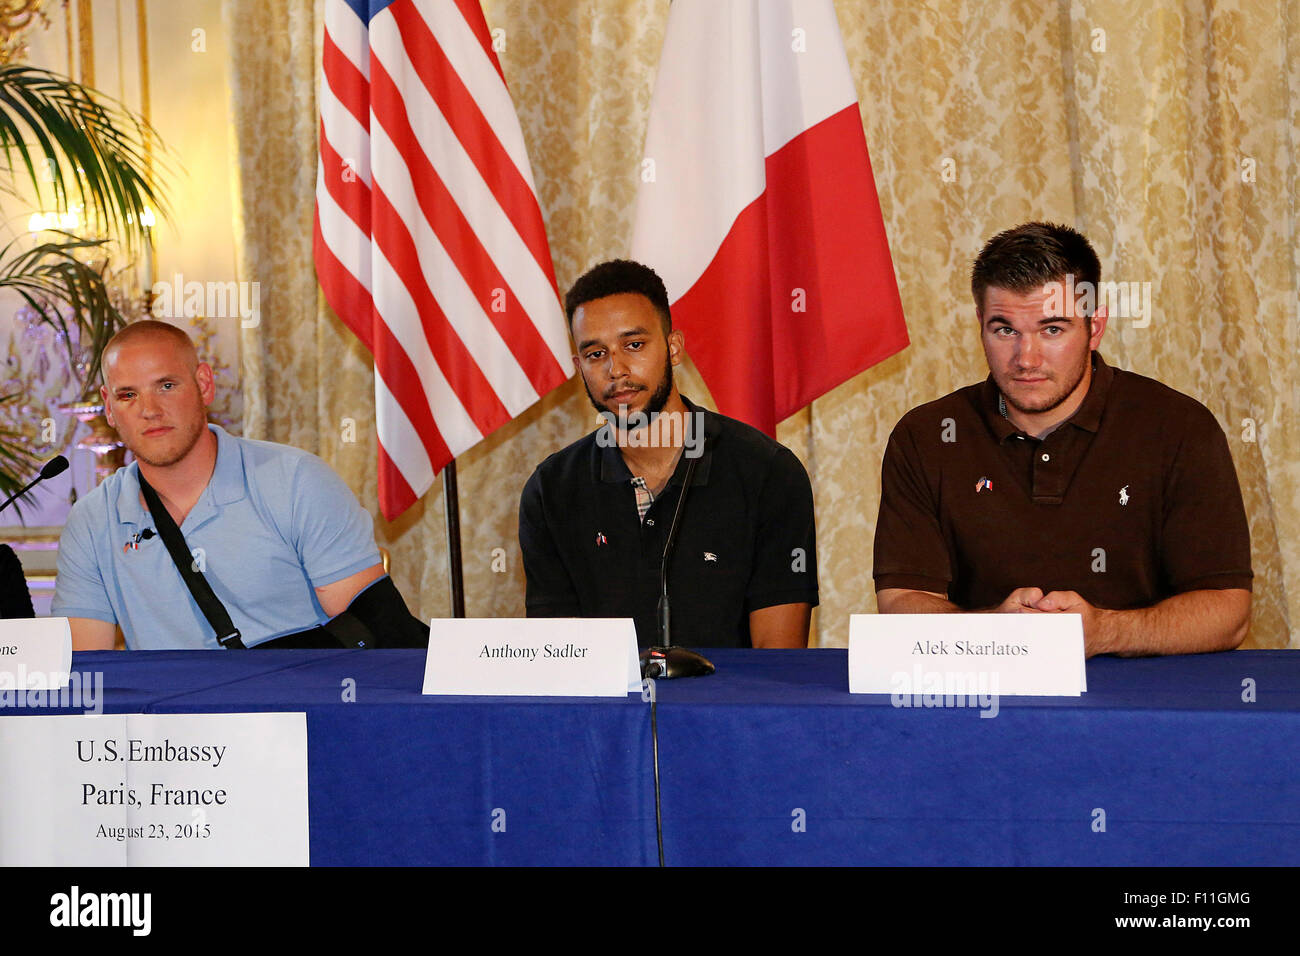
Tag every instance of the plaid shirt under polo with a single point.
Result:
(644, 496)
(1130, 501)
(747, 538)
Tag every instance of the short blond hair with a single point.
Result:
(146, 329)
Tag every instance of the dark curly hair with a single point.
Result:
(615, 277)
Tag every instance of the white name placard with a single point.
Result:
(154, 790)
(35, 653)
(532, 657)
(967, 654)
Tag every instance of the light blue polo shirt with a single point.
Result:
(273, 524)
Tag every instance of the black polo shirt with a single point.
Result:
(747, 538)
(1130, 501)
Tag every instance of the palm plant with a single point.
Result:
(16, 460)
(72, 146)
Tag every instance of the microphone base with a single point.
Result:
(669, 663)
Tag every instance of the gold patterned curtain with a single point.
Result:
(1167, 132)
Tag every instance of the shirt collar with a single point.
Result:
(1087, 416)
(226, 485)
(614, 469)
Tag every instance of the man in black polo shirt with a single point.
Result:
(1060, 484)
(594, 518)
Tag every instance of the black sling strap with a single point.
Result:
(209, 603)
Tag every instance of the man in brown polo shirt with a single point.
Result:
(1060, 484)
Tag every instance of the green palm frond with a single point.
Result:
(50, 276)
(17, 464)
(72, 145)
(56, 284)
(82, 145)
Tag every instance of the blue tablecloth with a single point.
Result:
(1184, 770)
(769, 761)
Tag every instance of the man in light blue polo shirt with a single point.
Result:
(277, 534)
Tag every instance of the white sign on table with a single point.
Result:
(154, 790)
(35, 653)
(532, 657)
(953, 654)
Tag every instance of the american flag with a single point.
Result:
(429, 242)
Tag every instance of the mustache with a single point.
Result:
(615, 389)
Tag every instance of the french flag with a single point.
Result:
(758, 207)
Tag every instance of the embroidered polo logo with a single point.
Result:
(1123, 496)
(601, 539)
(710, 556)
(984, 484)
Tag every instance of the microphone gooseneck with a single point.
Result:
(664, 660)
(55, 466)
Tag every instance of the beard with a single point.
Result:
(658, 399)
(1053, 398)
(181, 443)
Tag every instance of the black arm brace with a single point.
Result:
(377, 617)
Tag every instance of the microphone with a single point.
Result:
(664, 660)
(133, 542)
(55, 466)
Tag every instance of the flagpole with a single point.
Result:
(452, 499)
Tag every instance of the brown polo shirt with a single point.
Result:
(1132, 500)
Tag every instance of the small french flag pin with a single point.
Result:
(601, 539)
(984, 484)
